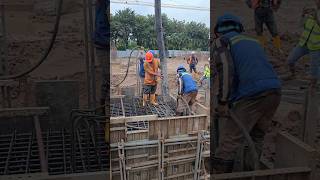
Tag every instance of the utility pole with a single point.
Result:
(160, 41)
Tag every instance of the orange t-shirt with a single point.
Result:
(150, 79)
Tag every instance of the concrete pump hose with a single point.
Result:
(248, 138)
(128, 66)
(48, 50)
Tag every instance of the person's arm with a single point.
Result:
(225, 69)
(148, 69)
(179, 84)
(159, 64)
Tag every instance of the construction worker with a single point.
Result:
(151, 67)
(187, 90)
(263, 14)
(248, 86)
(141, 69)
(309, 44)
(206, 75)
(192, 61)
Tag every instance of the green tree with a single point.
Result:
(129, 29)
(124, 21)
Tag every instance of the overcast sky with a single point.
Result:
(179, 14)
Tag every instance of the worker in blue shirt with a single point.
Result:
(248, 86)
(187, 90)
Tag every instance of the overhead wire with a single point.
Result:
(164, 5)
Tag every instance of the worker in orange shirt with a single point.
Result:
(151, 66)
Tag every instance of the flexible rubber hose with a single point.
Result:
(128, 66)
(185, 102)
(248, 138)
(53, 38)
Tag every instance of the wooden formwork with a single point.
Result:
(169, 148)
(101, 175)
(176, 157)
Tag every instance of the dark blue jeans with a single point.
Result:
(300, 51)
(193, 67)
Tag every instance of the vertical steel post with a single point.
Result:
(85, 20)
(43, 159)
(92, 55)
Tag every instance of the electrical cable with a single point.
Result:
(48, 50)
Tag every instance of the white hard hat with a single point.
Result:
(209, 59)
(193, 52)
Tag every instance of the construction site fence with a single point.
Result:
(169, 53)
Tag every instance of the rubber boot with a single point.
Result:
(262, 41)
(144, 99)
(219, 166)
(277, 42)
(153, 100)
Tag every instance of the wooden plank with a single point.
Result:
(117, 96)
(292, 152)
(26, 111)
(300, 171)
(119, 120)
(101, 175)
(181, 117)
(312, 118)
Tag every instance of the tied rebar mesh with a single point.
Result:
(132, 106)
(19, 152)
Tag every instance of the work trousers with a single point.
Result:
(262, 16)
(193, 68)
(206, 80)
(149, 89)
(300, 51)
(256, 114)
(190, 99)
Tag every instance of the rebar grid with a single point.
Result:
(133, 107)
(19, 152)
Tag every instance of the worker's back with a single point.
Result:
(189, 84)
(252, 71)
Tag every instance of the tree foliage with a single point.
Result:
(129, 29)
